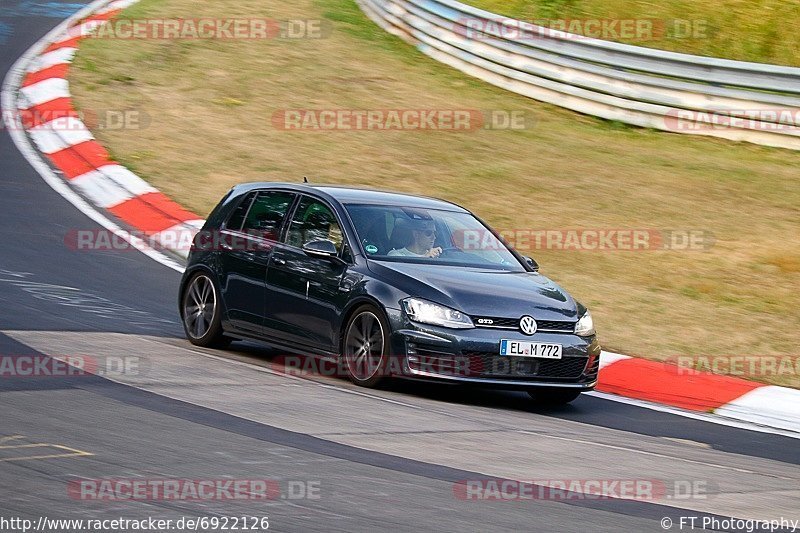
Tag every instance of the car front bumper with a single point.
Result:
(472, 356)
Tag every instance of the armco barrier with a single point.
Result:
(631, 84)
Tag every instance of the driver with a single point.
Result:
(423, 235)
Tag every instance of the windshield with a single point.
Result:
(429, 236)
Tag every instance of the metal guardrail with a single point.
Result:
(681, 93)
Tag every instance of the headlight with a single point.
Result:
(585, 326)
(438, 315)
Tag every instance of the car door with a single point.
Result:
(246, 245)
(305, 293)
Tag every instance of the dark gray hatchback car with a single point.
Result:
(384, 284)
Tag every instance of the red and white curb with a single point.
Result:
(36, 88)
(700, 392)
(46, 113)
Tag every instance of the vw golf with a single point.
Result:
(384, 284)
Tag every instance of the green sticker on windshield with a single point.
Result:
(371, 249)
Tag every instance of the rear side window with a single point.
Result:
(237, 217)
(266, 213)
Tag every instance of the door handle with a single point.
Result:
(280, 262)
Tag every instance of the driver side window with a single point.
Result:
(313, 221)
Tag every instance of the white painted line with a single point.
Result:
(56, 57)
(705, 417)
(179, 237)
(776, 406)
(609, 358)
(110, 185)
(100, 190)
(47, 140)
(63, 39)
(45, 91)
(118, 4)
(85, 28)
(126, 179)
(59, 134)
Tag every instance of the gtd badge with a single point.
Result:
(527, 325)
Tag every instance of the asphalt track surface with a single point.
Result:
(384, 459)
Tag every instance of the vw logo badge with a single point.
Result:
(527, 325)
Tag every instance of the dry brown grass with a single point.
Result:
(211, 103)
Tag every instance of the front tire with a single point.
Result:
(201, 313)
(365, 346)
(553, 396)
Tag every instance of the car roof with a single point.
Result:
(357, 195)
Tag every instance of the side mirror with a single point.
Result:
(531, 263)
(321, 248)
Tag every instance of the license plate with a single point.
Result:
(530, 349)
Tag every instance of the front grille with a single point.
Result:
(493, 365)
(434, 360)
(556, 325)
(504, 323)
(559, 326)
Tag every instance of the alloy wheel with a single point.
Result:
(363, 347)
(199, 306)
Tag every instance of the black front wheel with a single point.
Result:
(365, 346)
(553, 396)
(201, 313)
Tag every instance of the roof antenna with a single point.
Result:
(305, 179)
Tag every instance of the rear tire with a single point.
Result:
(365, 346)
(553, 396)
(201, 313)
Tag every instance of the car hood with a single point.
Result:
(481, 292)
